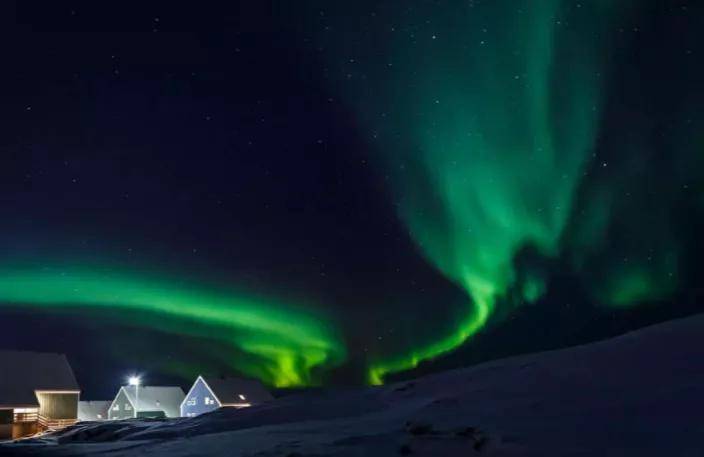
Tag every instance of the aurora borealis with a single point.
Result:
(317, 193)
(488, 117)
(277, 344)
(499, 143)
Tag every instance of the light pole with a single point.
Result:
(135, 381)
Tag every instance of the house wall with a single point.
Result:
(194, 404)
(6, 424)
(151, 414)
(93, 410)
(10, 430)
(22, 429)
(58, 405)
(6, 415)
(124, 407)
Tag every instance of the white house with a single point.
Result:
(93, 410)
(208, 394)
(146, 402)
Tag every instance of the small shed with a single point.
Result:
(146, 402)
(38, 391)
(208, 394)
(89, 411)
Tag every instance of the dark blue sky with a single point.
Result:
(207, 141)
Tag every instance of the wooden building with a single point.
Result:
(208, 394)
(38, 391)
(146, 402)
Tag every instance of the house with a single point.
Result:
(38, 391)
(93, 410)
(146, 402)
(208, 394)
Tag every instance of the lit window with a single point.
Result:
(191, 401)
(116, 408)
(242, 397)
(128, 407)
(26, 410)
(209, 401)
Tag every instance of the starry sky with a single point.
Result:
(318, 193)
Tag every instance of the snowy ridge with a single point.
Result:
(639, 394)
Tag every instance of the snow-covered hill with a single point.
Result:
(640, 394)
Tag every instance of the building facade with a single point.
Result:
(38, 391)
(209, 394)
(91, 411)
(146, 402)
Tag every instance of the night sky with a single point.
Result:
(329, 193)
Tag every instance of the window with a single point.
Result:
(209, 401)
(25, 414)
(116, 407)
(26, 410)
(128, 407)
(191, 401)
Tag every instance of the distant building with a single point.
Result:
(154, 402)
(208, 394)
(38, 391)
(93, 410)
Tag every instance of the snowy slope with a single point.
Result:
(640, 394)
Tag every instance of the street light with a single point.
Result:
(135, 381)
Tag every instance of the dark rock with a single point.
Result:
(476, 435)
(419, 429)
(480, 442)
(407, 386)
(468, 432)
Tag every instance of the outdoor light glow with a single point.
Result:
(134, 381)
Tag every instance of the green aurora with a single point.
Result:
(487, 116)
(282, 345)
(486, 120)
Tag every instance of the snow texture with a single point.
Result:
(640, 394)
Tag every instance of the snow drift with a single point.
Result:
(639, 394)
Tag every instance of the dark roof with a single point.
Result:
(25, 372)
(156, 398)
(228, 390)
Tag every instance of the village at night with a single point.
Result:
(352, 228)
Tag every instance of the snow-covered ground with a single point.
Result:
(641, 394)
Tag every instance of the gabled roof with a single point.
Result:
(228, 390)
(156, 398)
(25, 372)
(89, 410)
